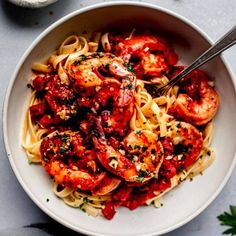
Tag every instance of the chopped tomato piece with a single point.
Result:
(37, 111)
(109, 210)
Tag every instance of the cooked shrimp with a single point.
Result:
(138, 161)
(87, 70)
(66, 159)
(115, 119)
(198, 101)
(154, 55)
(182, 146)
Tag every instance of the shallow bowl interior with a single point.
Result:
(187, 200)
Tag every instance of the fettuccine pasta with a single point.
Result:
(97, 127)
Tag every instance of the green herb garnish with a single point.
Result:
(136, 146)
(62, 150)
(229, 219)
(141, 175)
(129, 67)
(139, 132)
(85, 200)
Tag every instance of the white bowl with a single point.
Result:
(32, 3)
(180, 205)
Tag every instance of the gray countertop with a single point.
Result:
(18, 28)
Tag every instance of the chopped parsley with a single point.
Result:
(80, 59)
(65, 138)
(81, 206)
(136, 146)
(129, 67)
(129, 86)
(65, 101)
(62, 150)
(142, 174)
(46, 158)
(85, 200)
(139, 132)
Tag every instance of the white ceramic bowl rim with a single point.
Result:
(32, 3)
(26, 54)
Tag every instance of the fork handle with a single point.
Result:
(228, 40)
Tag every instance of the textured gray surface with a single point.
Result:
(19, 27)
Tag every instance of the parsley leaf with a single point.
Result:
(141, 175)
(229, 219)
(62, 150)
(129, 67)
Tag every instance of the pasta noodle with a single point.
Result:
(93, 123)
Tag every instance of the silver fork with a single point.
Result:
(228, 40)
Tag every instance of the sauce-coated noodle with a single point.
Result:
(95, 127)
